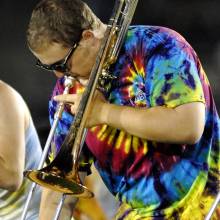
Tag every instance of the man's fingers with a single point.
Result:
(67, 98)
(73, 109)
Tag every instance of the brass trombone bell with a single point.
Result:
(66, 185)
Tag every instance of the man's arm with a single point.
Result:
(12, 137)
(183, 124)
(49, 204)
(50, 200)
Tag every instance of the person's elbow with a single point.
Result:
(11, 178)
(194, 130)
(193, 136)
(15, 181)
(192, 122)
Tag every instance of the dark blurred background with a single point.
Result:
(197, 20)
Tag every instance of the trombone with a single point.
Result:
(68, 84)
(213, 207)
(64, 176)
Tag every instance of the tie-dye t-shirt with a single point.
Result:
(155, 67)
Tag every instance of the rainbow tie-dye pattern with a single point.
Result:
(156, 67)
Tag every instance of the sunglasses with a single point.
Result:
(61, 65)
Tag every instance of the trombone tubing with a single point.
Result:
(57, 117)
(43, 157)
(214, 206)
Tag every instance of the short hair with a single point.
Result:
(59, 21)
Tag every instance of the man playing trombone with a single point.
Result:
(154, 135)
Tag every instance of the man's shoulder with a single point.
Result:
(4, 86)
(8, 92)
(148, 29)
(156, 33)
(11, 98)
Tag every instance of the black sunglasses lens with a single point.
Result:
(60, 68)
(41, 65)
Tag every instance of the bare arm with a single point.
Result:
(183, 124)
(50, 200)
(12, 137)
(49, 203)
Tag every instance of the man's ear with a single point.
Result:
(87, 34)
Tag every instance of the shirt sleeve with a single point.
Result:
(172, 74)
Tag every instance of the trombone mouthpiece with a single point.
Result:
(68, 81)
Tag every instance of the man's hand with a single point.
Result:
(96, 112)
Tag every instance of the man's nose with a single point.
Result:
(58, 74)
